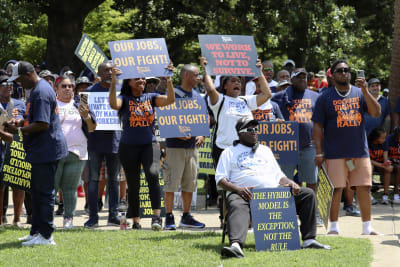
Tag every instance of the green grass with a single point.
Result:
(147, 248)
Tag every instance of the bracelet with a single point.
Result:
(319, 155)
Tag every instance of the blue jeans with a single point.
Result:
(113, 168)
(306, 168)
(42, 192)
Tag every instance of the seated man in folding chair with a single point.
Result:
(247, 165)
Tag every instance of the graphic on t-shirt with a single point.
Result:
(237, 107)
(376, 155)
(301, 111)
(142, 114)
(28, 106)
(245, 161)
(264, 115)
(348, 114)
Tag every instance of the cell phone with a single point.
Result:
(84, 99)
(350, 165)
(360, 74)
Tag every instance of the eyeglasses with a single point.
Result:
(67, 86)
(4, 84)
(268, 69)
(248, 130)
(342, 70)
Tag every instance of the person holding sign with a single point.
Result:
(138, 146)
(14, 110)
(338, 116)
(44, 144)
(247, 165)
(76, 123)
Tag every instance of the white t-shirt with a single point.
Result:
(71, 125)
(232, 110)
(251, 87)
(246, 169)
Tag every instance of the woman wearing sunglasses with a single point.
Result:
(138, 147)
(14, 110)
(76, 123)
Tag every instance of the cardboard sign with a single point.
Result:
(229, 55)
(90, 54)
(324, 195)
(106, 117)
(140, 58)
(282, 139)
(206, 164)
(146, 210)
(16, 171)
(273, 211)
(187, 116)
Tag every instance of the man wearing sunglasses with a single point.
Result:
(44, 144)
(268, 71)
(341, 142)
(247, 165)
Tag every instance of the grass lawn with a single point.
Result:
(146, 248)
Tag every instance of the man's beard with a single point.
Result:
(342, 83)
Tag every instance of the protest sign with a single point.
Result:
(187, 116)
(140, 58)
(273, 211)
(106, 117)
(90, 54)
(16, 171)
(229, 55)
(146, 210)
(206, 164)
(324, 195)
(282, 138)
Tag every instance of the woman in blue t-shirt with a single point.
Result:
(378, 153)
(138, 146)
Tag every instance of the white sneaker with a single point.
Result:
(385, 200)
(39, 240)
(68, 223)
(27, 237)
(396, 199)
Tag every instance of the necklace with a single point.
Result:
(346, 94)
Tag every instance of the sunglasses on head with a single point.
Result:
(67, 86)
(268, 69)
(342, 70)
(6, 84)
(248, 130)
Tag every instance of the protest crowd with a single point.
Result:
(348, 129)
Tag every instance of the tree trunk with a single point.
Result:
(65, 20)
(394, 80)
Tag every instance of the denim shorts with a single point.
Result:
(306, 168)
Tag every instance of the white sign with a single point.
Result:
(106, 117)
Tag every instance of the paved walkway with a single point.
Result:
(386, 220)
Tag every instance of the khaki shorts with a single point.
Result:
(340, 175)
(180, 169)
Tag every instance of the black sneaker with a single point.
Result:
(136, 226)
(60, 209)
(114, 221)
(170, 222)
(123, 206)
(190, 222)
(156, 223)
(91, 223)
(100, 205)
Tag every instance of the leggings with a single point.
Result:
(132, 157)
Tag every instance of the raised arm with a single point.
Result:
(265, 93)
(115, 102)
(163, 100)
(211, 91)
(374, 109)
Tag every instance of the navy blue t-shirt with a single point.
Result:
(298, 106)
(176, 142)
(137, 115)
(397, 105)
(103, 141)
(343, 122)
(376, 151)
(394, 147)
(49, 145)
(269, 114)
(371, 122)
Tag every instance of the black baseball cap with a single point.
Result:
(244, 123)
(373, 80)
(21, 68)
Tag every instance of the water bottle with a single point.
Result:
(122, 225)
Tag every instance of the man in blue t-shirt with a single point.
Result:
(374, 87)
(340, 141)
(297, 104)
(44, 144)
(182, 159)
(103, 145)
